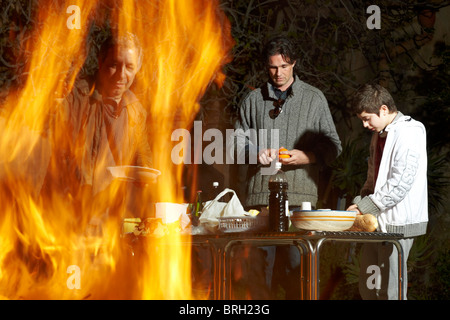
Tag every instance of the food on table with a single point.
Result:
(253, 212)
(364, 222)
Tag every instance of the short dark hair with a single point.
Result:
(370, 97)
(127, 40)
(279, 45)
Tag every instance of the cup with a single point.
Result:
(170, 212)
(306, 205)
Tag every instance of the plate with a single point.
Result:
(134, 173)
(323, 220)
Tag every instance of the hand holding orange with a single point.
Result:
(283, 156)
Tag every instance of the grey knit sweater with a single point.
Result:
(304, 124)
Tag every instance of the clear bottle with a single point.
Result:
(278, 201)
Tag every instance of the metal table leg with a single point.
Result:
(300, 244)
(315, 252)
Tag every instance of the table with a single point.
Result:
(223, 244)
(318, 238)
(308, 243)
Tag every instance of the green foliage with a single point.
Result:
(350, 168)
(351, 269)
(438, 181)
(316, 38)
(429, 274)
(339, 271)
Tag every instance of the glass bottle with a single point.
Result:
(278, 201)
(196, 209)
(198, 204)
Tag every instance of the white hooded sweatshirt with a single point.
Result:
(400, 197)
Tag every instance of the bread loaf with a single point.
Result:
(364, 222)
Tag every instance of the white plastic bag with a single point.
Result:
(214, 209)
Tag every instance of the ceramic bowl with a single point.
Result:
(323, 220)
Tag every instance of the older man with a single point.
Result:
(100, 124)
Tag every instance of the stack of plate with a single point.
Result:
(323, 220)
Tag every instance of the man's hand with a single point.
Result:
(298, 157)
(266, 156)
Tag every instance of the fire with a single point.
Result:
(52, 249)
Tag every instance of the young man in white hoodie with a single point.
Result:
(395, 191)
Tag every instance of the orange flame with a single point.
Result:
(53, 251)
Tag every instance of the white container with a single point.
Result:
(306, 205)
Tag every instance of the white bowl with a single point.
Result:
(323, 220)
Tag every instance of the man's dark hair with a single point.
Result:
(279, 45)
(370, 97)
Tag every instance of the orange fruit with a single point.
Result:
(283, 156)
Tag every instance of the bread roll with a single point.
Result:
(364, 222)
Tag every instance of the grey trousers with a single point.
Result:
(378, 277)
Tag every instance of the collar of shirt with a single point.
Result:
(111, 106)
(281, 95)
(383, 133)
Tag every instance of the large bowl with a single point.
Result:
(323, 220)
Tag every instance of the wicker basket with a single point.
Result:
(243, 224)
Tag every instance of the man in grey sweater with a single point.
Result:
(298, 113)
(284, 112)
